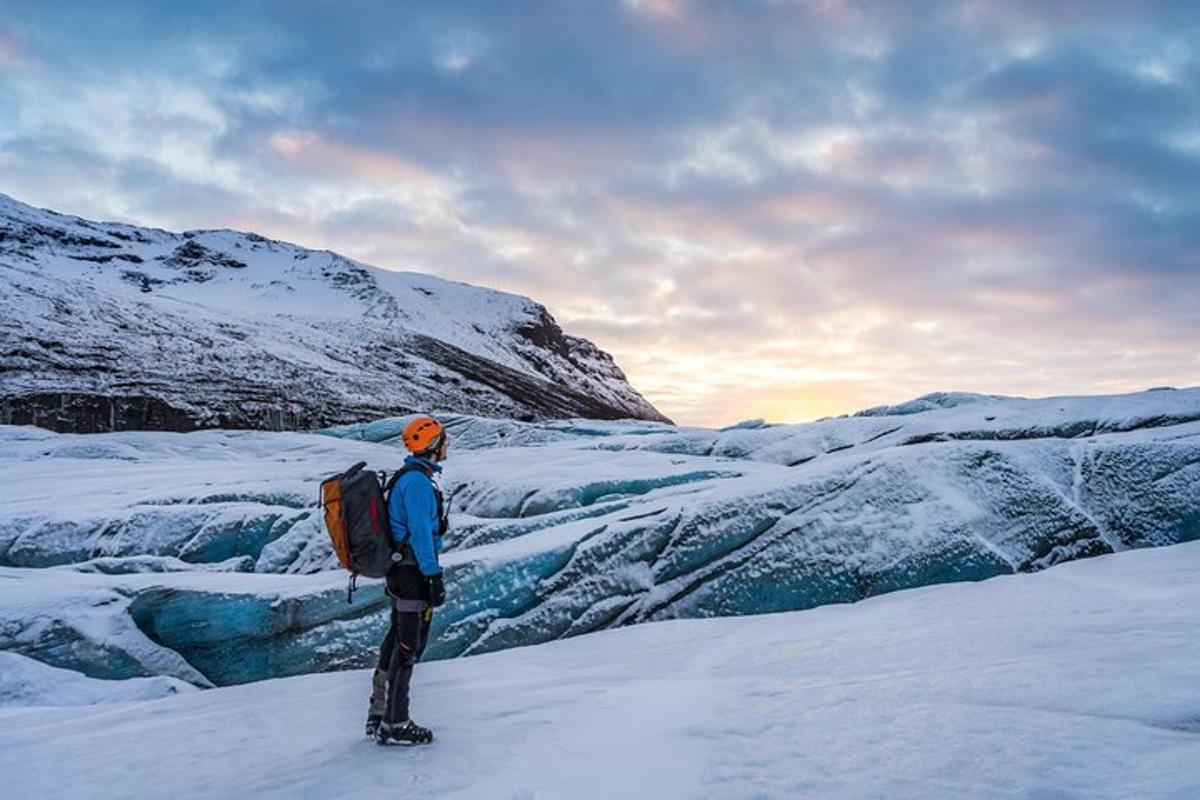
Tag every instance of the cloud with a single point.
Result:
(13, 54)
(771, 209)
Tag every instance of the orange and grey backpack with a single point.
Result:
(356, 517)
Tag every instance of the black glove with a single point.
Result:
(437, 589)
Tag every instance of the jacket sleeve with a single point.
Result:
(420, 511)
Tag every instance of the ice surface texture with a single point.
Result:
(1076, 682)
(200, 556)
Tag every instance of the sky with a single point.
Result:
(778, 210)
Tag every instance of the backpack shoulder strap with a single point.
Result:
(398, 474)
(391, 486)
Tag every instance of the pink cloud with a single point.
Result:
(14, 54)
(308, 149)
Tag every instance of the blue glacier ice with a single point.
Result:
(202, 557)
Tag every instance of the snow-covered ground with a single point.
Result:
(1076, 682)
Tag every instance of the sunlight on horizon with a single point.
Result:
(780, 211)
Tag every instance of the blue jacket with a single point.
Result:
(413, 512)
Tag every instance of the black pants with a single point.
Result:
(401, 649)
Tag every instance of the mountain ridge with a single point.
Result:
(115, 327)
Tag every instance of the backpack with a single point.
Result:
(355, 504)
(356, 519)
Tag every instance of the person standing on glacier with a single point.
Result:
(418, 514)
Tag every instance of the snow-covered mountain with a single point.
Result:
(1078, 682)
(112, 327)
(201, 556)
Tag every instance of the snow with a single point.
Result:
(1076, 682)
(26, 682)
(202, 556)
(222, 325)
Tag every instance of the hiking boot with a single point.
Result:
(373, 723)
(407, 732)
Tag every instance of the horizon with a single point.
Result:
(730, 423)
(782, 211)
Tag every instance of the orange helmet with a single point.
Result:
(422, 434)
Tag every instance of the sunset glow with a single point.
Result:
(766, 210)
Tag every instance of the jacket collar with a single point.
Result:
(427, 463)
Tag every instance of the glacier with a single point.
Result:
(201, 556)
(1075, 682)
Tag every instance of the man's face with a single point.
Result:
(443, 448)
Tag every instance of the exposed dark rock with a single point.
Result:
(552, 400)
(192, 254)
(140, 279)
(130, 257)
(85, 413)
